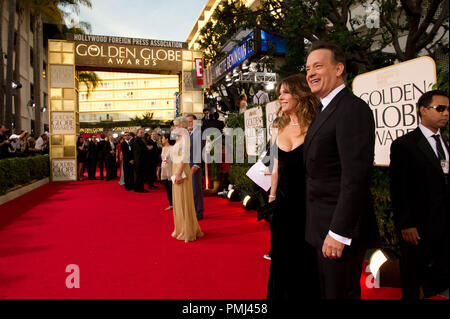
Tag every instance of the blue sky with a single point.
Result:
(149, 19)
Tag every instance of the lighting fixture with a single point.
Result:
(249, 202)
(376, 261)
(233, 195)
(270, 86)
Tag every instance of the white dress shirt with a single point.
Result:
(39, 143)
(325, 101)
(429, 136)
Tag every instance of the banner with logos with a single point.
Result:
(392, 94)
(271, 114)
(254, 131)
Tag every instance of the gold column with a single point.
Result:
(63, 112)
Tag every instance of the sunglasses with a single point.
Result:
(439, 108)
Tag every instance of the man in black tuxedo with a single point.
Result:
(420, 199)
(128, 162)
(338, 155)
(102, 151)
(140, 149)
(110, 159)
(92, 157)
(154, 154)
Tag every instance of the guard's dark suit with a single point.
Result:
(420, 198)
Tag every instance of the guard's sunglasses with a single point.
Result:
(439, 108)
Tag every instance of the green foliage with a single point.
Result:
(22, 170)
(237, 177)
(383, 207)
(235, 120)
(145, 121)
(90, 79)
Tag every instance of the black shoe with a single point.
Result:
(153, 187)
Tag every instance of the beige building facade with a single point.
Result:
(121, 96)
(25, 34)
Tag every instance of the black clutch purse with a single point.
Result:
(265, 212)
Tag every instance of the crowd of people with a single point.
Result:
(21, 144)
(170, 158)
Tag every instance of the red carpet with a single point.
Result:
(121, 242)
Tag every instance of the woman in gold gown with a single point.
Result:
(186, 226)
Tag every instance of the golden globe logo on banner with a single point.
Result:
(392, 94)
(128, 53)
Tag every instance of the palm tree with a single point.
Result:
(90, 79)
(53, 12)
(10, 64)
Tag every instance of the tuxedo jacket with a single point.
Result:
(338, 156)
(92, 150)
(420, 197)
(196, 147)
(103, 149)
(139, 153)
(127, 152)
(108, 149)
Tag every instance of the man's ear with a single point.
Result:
(340, 69)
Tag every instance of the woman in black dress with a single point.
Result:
(81, 156)
(293, 270)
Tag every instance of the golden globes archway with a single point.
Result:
(107, 53)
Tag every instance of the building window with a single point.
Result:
(31, 23)
(31, 92)
(45, 100)
(44, 70)
(31, 56)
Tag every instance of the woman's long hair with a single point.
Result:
(307, 102)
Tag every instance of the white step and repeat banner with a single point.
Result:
(392, 93)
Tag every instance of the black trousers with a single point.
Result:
(139, 175)
(151, 175)
(340, 278)
(110, 165)
(101, 164)
(92, 165)
(423, 266)
(128, 175)
(168, 185)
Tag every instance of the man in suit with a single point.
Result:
(140, 149)
(102, 151)
(128, 162)
(420, 199)
(195, 162)
(92, 157)
(110, 159)
(338, 155)
(154, 155)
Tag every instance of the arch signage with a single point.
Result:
(108, 53)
